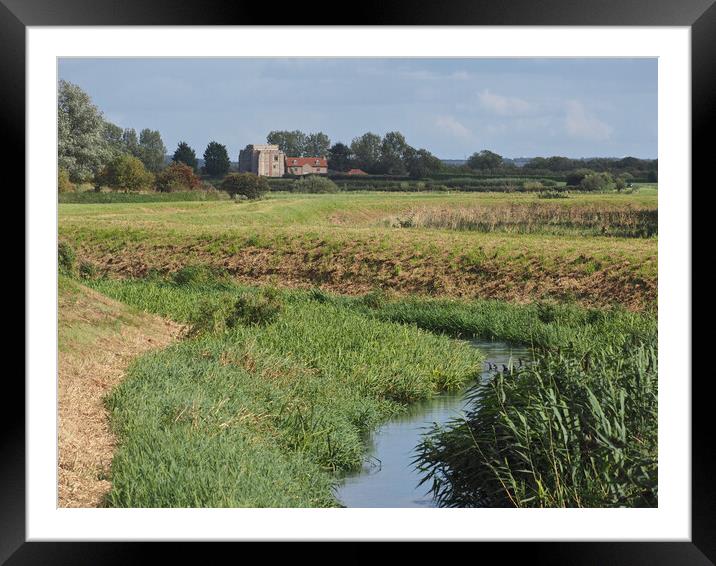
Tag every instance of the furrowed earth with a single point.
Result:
(352, 244)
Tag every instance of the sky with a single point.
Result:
(452, 107)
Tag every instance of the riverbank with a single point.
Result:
(98, 339)
(268, 413)
(389, 477)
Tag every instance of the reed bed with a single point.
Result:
(577, 428)
(565, 432)
(535, 217)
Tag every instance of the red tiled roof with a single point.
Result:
(357, 172)
(301, 161)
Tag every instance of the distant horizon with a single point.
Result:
(521, 157)
(526, 107)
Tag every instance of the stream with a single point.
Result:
(388, 478)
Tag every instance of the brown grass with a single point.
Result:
(98, 337)
(630, 220)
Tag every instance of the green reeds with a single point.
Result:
(568, 431)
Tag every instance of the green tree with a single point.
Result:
(246, 184)
(82, 147)
(125, 173)
(596, 182)
(131, 142)
(575, 177)
(339, 157)
(216, 159)
(422, 163)
(185, 154)
(366, 151)
(113, 135)
(151, 149)
(316, 145)
(394, 154)
(293, 143)
(484, 160)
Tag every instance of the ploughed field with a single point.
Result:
(597, 250)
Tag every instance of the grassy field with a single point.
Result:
(351, 243)
(310, 319)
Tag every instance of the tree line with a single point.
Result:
(93, 149)
(387, 155)
(488, 161)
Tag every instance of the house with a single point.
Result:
(356, 172)
(306, 166)
(266, 160)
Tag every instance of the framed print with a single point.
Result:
(425, 277)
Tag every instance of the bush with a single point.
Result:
(596, 182)
(553, 194)
(178, 177)
(314, 184)
(532, 186)
(210, 316)
(126, 173)
(246, 184)
(575, 178)
(197, 275)
(88, 270)
(64, 185)
(256, 309)
(66, 258)
(215, 315)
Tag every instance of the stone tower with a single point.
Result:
(266, 160)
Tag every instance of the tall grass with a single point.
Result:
(264, 414)
(542, 325)
(535, 217)
(578, 428)
(566, 432)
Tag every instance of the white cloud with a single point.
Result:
(460, 75)
(450, 125)
(504, 105)
(580, 124)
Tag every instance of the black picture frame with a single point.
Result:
(699, 15)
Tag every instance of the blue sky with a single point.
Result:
(452, 107)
